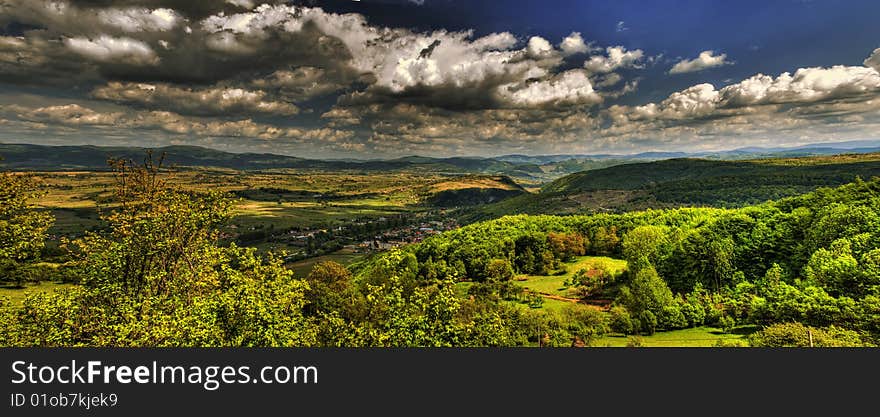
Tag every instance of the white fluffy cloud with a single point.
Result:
(706, 60)
(76, 115)
(873, 61)
(140, 19)
(574, 44)
(617, 57)
(206, 101)
(113, 50)
(539, 47)
(401, 59)
(804, 87)
(570, 87)
(71, 115)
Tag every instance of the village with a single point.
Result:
(362, 236)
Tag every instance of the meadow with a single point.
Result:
(694, 337)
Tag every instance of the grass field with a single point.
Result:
(554, 284)
(345, 257)
(17, 295)
(283, 198)
(696, 337)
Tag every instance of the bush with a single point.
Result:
(634, 341)
(621, 321)
(797, 335)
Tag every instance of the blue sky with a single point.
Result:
(761, 36)
(439, 77)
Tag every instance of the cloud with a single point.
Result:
(621, 26)
(116, 50)
(300, 84)
(439, 68)
(574, 44)
(837, 85)
(249, 72)
(704, 61)
(205, 101)
(539, 47)
(71, 115)
(570, 87)
(873, 61)
(76, 115)
(806, 85)
(140, 19)
(609, 80)
(617, 57)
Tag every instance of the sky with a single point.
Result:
(388, 78)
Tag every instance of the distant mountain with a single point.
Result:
(528, 169)
(39, 157)
(20, 156)
(816, 149)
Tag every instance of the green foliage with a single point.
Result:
(22, 227)
(158, 278)
(797, 335)
(814, 259)
(648, 298)
(645, 242)
(620, 320)
(499, 270)
(160, 274)
(332, 289)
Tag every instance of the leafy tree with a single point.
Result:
(159, 278)
(588, 282)
(584, 323)
(605, 240)
(22, 227)
(621, 321)
(499, 270)
(333, 289)
(645, 242)
(835, 268)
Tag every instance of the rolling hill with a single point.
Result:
(688, 182)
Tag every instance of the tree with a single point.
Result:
(566, 246)
(605, 240)
(158, 277)
(499, 270)
(644, 241)
(586, 283)
(621, 321)
(22, 227)
(646, 297)
(835, 268)
(332, 289)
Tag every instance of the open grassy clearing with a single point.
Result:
(345, 257)
(555, 284)
(17, 295)
(695, 337)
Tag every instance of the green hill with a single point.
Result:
(688, 182)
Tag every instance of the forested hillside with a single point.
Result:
(689, 182)
(798, 271)
(813, 260)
